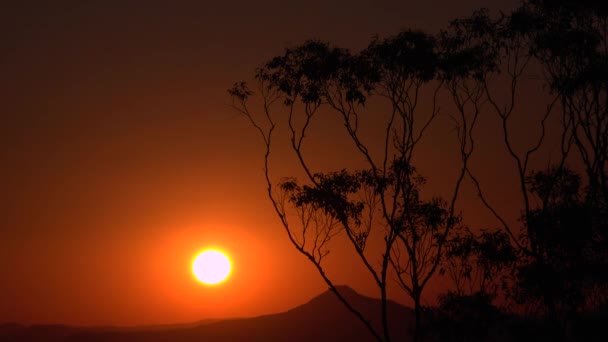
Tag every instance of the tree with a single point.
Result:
(571, 40)
(383, 198)
(562, 225)
(478, 64)
(566, 274)
(479, 263)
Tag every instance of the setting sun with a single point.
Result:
(211, 267)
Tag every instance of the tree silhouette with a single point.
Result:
(382, 199)
(553, 257)
(567, 41)
(566, 273)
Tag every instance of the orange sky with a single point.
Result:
(120, 158)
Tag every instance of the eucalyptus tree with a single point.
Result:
(565, 43)
(571, 41)
(479, 63)
(570, 221)
(381, 199)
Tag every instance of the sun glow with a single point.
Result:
(211, 267)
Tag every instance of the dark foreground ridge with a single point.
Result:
(324, 318)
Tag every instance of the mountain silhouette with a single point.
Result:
(324, 318)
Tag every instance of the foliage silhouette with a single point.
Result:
(552, 260)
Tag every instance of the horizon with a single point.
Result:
(323, 311)
(204, 320)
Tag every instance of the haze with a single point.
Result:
(120, 158)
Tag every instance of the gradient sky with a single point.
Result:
(121, 159)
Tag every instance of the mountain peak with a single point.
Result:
(329, 297)
(344, 289)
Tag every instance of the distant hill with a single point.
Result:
(324, 318)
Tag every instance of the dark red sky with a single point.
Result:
(120, 157)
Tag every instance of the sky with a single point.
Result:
(121, 158)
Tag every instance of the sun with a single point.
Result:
(211, 267)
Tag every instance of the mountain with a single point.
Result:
(324, 318)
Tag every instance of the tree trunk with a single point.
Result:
(417, 337)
